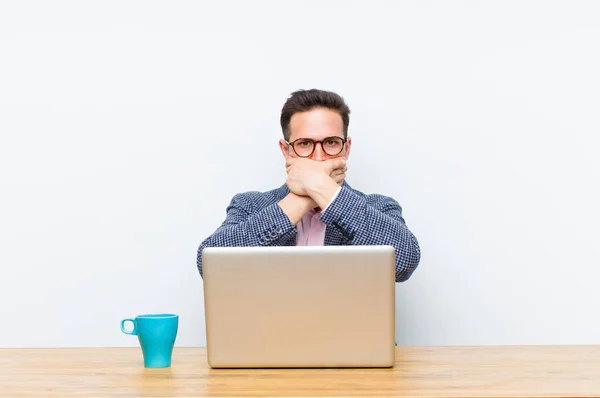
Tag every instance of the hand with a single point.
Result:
(339, 175)
(304, 174)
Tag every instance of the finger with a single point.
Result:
(339, 171)
(339, 175)
(337, 163)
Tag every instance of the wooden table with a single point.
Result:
(499, 371)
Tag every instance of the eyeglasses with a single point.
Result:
(304, 147)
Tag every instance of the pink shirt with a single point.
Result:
(311, 230)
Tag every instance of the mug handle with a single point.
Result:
(134, 331)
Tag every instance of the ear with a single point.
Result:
(284, 148)
(348, 147)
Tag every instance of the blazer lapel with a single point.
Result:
(333, 236)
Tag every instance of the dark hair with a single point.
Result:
(305, 100)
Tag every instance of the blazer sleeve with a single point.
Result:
(243, 226)
(375, 222)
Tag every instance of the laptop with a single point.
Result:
(299, 306)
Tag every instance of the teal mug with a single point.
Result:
(156, 334)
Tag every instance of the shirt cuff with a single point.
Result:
(332, 198)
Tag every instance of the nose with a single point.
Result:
(318, 153)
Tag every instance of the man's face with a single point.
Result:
(317, 124)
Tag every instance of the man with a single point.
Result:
(316, 206)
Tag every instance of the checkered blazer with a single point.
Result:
(353, 218)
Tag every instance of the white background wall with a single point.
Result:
(126, 127)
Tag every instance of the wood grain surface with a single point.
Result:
(486, 371)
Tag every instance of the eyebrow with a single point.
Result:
(312, 139)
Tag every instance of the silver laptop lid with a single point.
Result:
(300, 306)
